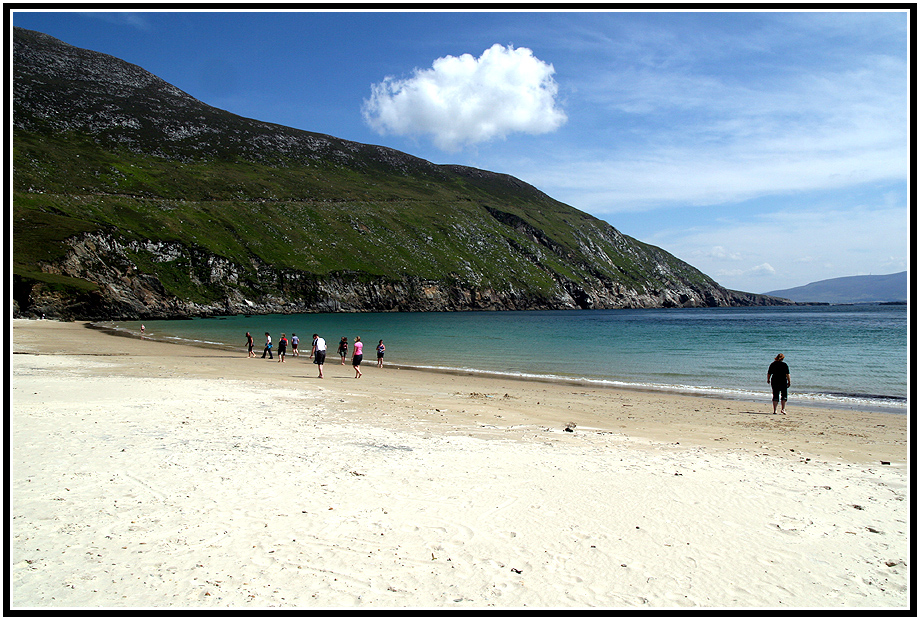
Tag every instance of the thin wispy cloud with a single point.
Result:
(718, 252)
(710, 141)
(134, 20)
(783, 248)
(464, 100)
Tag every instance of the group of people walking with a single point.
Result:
(778, 375)
(317, 351)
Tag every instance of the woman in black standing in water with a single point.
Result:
(779, 380)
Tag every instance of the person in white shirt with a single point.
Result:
(318, 353)
(268, 347)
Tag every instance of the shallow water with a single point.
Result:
(838, 355)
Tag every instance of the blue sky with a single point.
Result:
(767, 149)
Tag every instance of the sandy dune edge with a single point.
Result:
(151, 475)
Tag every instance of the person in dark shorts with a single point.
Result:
(358, 356)
(318, 353)
(282, 347)
(249, 344)
(779, 379)
(343, 349)
(380, 351)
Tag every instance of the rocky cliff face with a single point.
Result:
(125, 292)
(134, 200)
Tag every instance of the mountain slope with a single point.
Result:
(851, 289)
(133, 199)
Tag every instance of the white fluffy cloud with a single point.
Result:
(464, 100)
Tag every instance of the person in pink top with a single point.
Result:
(359, 355)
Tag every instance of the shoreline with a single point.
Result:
(847, 402)
(558, 398)
(149, 474)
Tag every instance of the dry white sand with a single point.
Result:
(150, 475)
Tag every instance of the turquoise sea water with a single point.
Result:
(838, 355)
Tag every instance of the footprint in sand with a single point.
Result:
(790, 525)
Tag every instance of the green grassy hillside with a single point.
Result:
(319, 219)
(163, 186)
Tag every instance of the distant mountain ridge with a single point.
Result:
(133, 199)
(850, 290)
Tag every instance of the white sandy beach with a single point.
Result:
(153, 475)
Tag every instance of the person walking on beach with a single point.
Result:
(249, 344)
(380, 351)
(779, 379)
(294, 342)
(359, 355)
(343, 349)
(282, 348)
(268, 347)
(318, 353)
